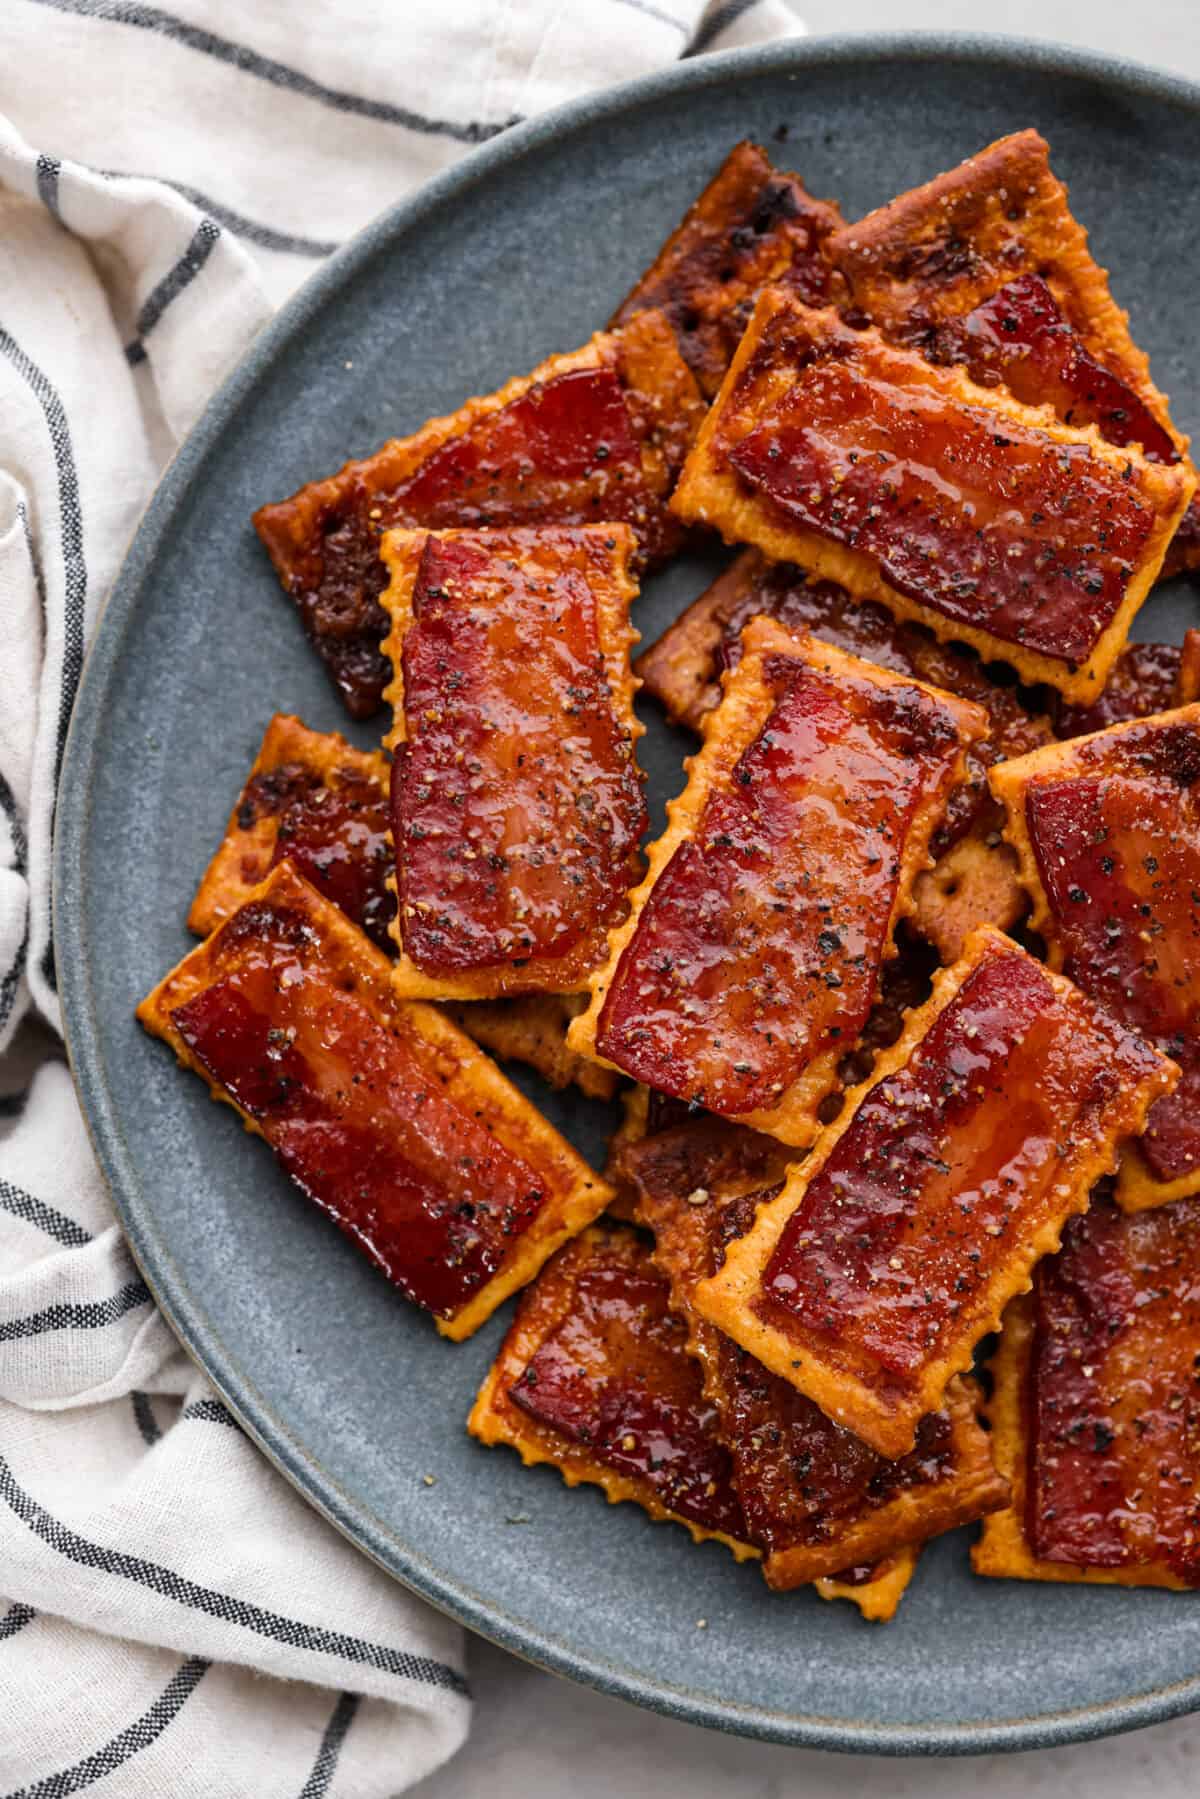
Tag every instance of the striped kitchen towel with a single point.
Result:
(173, 1620)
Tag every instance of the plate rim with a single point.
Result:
(187, 1318)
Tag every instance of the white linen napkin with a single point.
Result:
(173, 1619)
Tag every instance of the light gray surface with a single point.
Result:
(542, 1738)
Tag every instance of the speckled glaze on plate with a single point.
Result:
(523, 249)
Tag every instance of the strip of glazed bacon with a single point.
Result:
(815, 1497)
(894, 1248)
(753, 952)
(383, 1113)
(981, 518)
(314, 799)
(1095, 1409)
(594, 1377)
(753, 226)
(517, 803)
(1107, 829)
(975, 877)
(1021, 337)
(595, 435)
(987, 266)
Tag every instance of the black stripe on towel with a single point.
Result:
(129, 1742)
(74, 566)
(720, 21)
(75, 1315)
(32, 1210)
(265, 68)
(342, 1717)
(15, 1619)
(261, 1622)
(210, 1411)
(178, 277)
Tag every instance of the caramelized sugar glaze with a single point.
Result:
(753, 226)
(814, 1495)
(986, 266)
(1114, 1405)
(517, 804)
(314, 799)
(384, 1114)
(1108, 828)
(923, 1209)
(594, 1376)
(754, 955)
(683, 669)
(596, 435)
(1096, 1408)
(982, 518)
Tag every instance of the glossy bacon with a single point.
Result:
(893, 1249)
(1096, 1408)
(517, 804)
(975, 878)
(815, 1497)
(1144, 680)
(313, 798)
(1108, 832)
(1020, 338)
(752, 957)
(594, 1377)
(384, 1114)
(753, 225)
(595, 435)
(684, 667)
(969, 513)
(986, 265)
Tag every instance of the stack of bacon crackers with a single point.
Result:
(903, 1004)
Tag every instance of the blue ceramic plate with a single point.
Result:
(521, 250)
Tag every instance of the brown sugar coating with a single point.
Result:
(1095, 1412)
(813, 1494)
(384, 1114)
(517, 803)
(893, 1249)
(754, 955)
(751, 227)
(594, 1376)
(1108, 829)
(596, 435)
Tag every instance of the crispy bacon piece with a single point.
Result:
(814, 1496)
(517, 804)
(752, 955)
(987, 266)
(594, 1377)
(752, 226)
(595, 435)
(383, 1113)
(974, 880)
(1107, 829)
(313, 798)
(894, 1248)
(939, 252)
(964, 510)
(1096, 1410)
